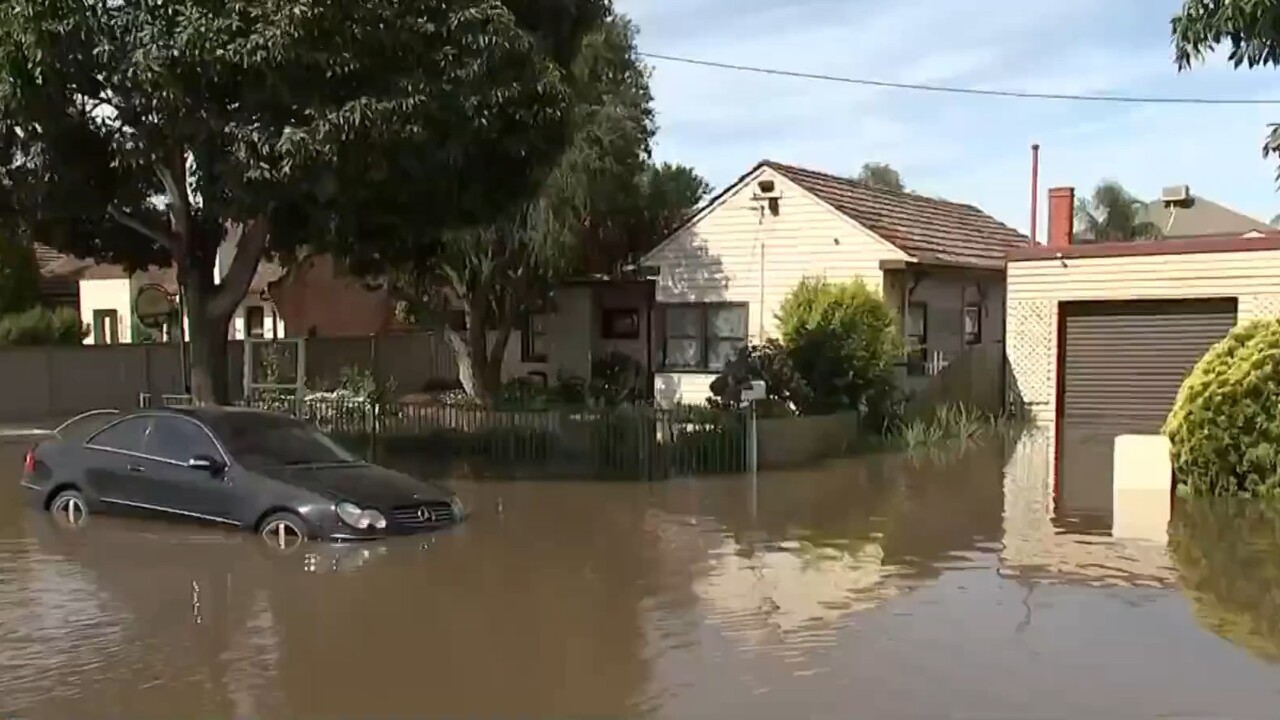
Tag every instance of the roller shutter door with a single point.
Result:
(1123, 362)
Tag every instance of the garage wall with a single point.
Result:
(1036, 287)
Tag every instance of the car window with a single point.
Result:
(263, 440)
(178, 440)
(82, 426)
(125, 435)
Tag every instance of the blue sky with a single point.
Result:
(969, 149)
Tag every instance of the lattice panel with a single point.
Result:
(1031, 348)
(1254, 307)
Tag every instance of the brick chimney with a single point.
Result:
(1062, 208)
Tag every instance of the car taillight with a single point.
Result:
(29, 463)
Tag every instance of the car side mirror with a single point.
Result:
(207, 464)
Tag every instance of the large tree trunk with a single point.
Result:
(479, 362)
(207, 330)
(211, 303)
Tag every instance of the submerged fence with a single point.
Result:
(627, 442)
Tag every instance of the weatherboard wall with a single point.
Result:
(738, 251)
(1036, 288)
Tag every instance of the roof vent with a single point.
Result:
(1175, 194)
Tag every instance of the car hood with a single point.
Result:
(364, 485)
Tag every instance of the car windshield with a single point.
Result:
(266, 440)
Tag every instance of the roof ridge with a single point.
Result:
(865, 186)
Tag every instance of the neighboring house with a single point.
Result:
(311, 297)
(1179, 213)
(107, 293)
(725, 273)
(58, 286)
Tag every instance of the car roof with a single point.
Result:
(204, 413)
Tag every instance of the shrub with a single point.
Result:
(842, 338)
(616, 379)
(1225, 425)
(787, 391)
(42, 326)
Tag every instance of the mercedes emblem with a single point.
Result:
(424, 514)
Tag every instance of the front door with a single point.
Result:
(172, 441)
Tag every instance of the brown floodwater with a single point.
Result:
(884, 587)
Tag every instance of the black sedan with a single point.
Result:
(249, 469)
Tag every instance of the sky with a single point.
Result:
(964, 148)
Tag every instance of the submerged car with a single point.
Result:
(250, 469)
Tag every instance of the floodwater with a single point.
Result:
(880, 588)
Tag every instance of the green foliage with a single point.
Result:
(787, 391)
(1225, 425)
(601, 205)
(617, 378)
(42, 326)
(880, 175)
(842, 338)
(19, 276)
(1250, 28)
(334, 125)
(1112, 214)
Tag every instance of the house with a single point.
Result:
(309, 297)
(724, 274)
(1179, 213)
(1101, 336)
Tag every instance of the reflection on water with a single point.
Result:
(896, 588)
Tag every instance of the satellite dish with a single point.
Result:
(153, 306)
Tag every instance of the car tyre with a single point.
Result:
(283, 531)
(69, 509)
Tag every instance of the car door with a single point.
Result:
(115, 468)
(174, 440)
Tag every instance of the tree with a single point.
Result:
(168, 132)
(1111, 214)
(42, 326)
(19, 275)
(1250, 27)
(880, 175)
(604, 204)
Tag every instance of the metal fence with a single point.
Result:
(629, 442)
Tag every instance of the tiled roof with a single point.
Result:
(56, 279)
(928, 229)
(167, 277)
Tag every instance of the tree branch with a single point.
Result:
(174, 178)
(133, 223)
(251, 244)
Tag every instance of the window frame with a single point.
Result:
(100, 316)
(704, 336)
(262, 325)
(917, 357)
(150, 418)
(528, 352)
(974, 338)
(156, 419)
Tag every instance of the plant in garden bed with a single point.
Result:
(1224, 430)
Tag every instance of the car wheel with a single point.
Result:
(69, 508)
(283, 531)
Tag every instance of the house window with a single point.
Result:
(106, 327)
(917, 337)
(704, 337)
(255, 322)
(533, 341)
(972, 324)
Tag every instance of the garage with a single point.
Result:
(1099, 337)
(1123, 362)
(1120, 367)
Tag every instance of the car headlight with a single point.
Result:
(456, 506)
(359, 518)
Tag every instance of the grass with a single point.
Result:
(948, 429)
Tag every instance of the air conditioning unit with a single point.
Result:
(1175, 193)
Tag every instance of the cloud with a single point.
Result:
(971, 149)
